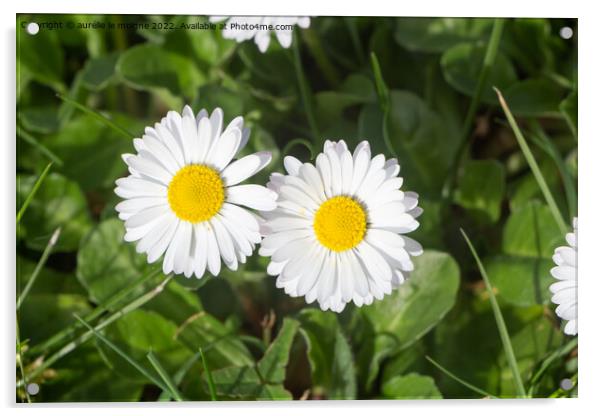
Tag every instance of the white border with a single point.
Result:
(590, 203)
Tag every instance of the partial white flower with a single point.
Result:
(564, 292)
(183, 198)
(241, 28)
(335, 236)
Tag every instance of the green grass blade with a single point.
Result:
(209, 376)
(559, 353)
(488, 61)
(97, 116)
(124, 355)
(72, 345)
(305, 92)
(384, 100)
(459, 380)
(179, 375)
(20, 362)
(36, 272)
(164, 376)
(314, 44)
(36, 143)
(33, 191)
(524, 146)
(113, 301)
(543, 141)
(499, 320)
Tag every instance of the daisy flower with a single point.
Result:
(336, 235)
(241, 28)
(564, 292)
(182, 198)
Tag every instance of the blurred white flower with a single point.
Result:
(565, 290)
(335, 236)
(241, 28)
(182, 195)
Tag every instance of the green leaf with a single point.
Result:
(481, 189)
(58, 203)
(272, 366)
(521, 281)
(403, 317)
(99, 72)
(434, 34)
(329, 354)
(420, 302)
(106, 264)
(421, 141)
(49, 280)
(39, 119)
(531, 232)
(538, 97)
(149, 66)
(245, 383)
(411, 387)
(136, 334)
(40, 55)
(91, 151)
(460, 72)
(568, 108)
(221, 347)
(44, 314)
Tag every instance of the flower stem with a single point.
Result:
(524, 146)
(499, 320)
(488, 61)
(305, 92)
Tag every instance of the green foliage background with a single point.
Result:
(258, 342)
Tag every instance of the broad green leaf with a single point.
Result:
(58, 203)
(329, 354)
(403, 317)
(99, 72)
(138, 332)
(91, 151)
(211, 96)
(245, 383)
(39, 119)
(106, 264)
(525, 188)
(462, 64)
(521, 281)
(568, 108)
(434, 35)
(411, 387)
(538, 97)
(44, 314)
(481, 189)
(528, 42)
(149, 66)
(272, 365)
(531, 231)
(420, 302)
(422, 142)
(40, 55)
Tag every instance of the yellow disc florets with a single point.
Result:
(340, 223)
(196, 193)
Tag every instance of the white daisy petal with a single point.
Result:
(564, 291)
(335, 235)
(178, 201)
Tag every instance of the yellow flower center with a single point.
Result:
(196, 193)
(340, 223)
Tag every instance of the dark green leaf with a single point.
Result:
(411, 387)
(329, 354)
(272, 366)
(568, 108)
(481, 189)
(99, 72)
(538, 97)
